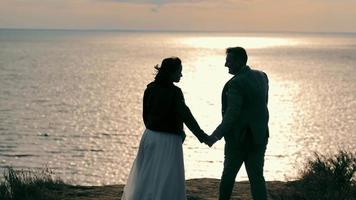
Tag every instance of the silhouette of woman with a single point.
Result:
(158, 170)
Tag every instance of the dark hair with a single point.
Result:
(168, 66)
(238, 53)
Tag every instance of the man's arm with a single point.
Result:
(266, 77)
(234, 104)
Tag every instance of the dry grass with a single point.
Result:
(30, 185)
(324, 178)
(327, 178)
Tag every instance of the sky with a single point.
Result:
(182, 15)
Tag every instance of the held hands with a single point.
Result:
(210, 140)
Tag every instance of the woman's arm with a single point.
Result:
(188, 118)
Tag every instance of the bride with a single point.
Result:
(158, 170)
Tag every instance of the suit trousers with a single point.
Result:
(253, 157)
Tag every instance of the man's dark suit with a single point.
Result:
(245, 129)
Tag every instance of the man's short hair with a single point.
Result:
(238, 53)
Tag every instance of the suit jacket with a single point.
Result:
(244, 108)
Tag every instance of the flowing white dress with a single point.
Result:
(158, 170)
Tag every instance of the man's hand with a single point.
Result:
(210, 140)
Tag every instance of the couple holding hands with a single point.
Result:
(158, 170)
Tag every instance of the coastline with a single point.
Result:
(197, 189)
(324, 177)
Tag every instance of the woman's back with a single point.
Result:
(160, 107)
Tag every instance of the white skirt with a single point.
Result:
(158, 170)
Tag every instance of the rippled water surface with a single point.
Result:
(71, 100)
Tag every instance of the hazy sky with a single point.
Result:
(199, 15)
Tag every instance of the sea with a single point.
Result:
(71, 100)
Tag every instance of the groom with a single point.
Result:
(244, 125)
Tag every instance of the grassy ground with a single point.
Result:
(326, 178)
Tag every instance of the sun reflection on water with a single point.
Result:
(249, 42)
(86, 96)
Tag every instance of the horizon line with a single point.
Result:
(172, 30)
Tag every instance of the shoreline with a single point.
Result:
(318, 180)
(197, 189)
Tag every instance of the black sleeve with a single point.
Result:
(144, 108)
(188, 117)
(267, 86)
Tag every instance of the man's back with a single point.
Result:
(253, 86)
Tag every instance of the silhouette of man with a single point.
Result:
(244, 125)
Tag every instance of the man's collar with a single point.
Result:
(243, 70)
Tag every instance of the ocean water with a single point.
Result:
(72, 100)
